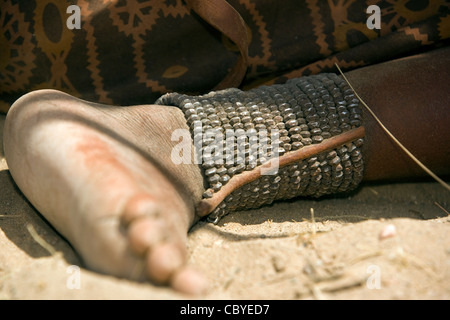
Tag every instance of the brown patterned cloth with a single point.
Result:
(133, 51)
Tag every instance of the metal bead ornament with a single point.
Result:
(238, 131)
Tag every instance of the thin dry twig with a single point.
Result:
(350, 284)
(365, 256)
(339, 217)
(407, 258)
(313, 222)
(9, 216)
(442, 208)
(44, 244)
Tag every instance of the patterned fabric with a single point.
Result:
(133, 51)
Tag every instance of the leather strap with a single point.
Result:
(223, 17)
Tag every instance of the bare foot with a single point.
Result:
(103, 177)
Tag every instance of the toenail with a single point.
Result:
(138, 207)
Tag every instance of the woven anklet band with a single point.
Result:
(302, 138)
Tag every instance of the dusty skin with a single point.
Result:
(277, 252)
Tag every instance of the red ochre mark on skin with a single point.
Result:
(101, 160)
(106, 166)
(96, 152)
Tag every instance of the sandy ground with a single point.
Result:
(277, 252)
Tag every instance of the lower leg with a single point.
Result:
(411, 97)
